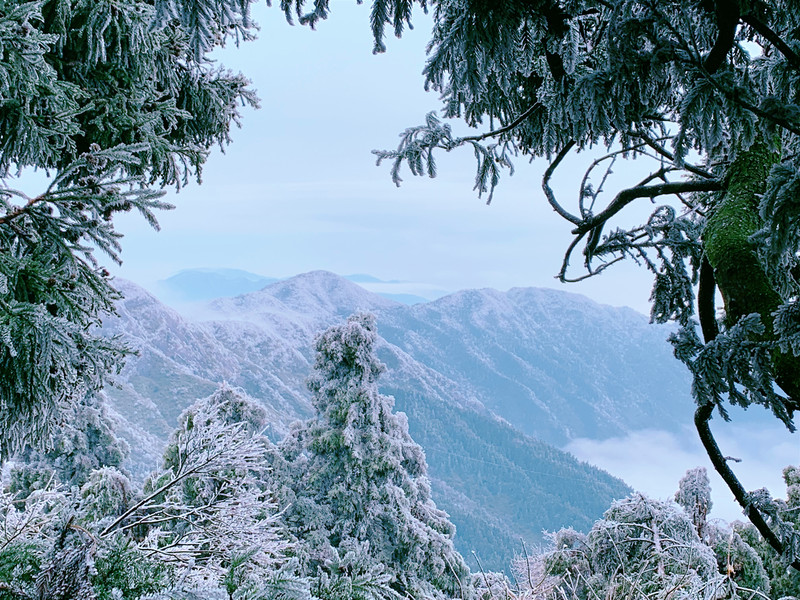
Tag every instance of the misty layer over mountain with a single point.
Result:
(489, 380)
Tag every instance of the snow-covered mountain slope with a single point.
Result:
(557, 365)
(463, 368)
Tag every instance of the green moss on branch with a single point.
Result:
(739, 274)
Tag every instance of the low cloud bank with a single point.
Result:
(653, 461)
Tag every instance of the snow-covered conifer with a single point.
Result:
(84, 442)
(737, 559)
(207, 505)
(68, 572)
(784, 582)
(358, 482)
(106, 495)
(641, 548)
(112, 102)
(652, 544)
(645, 549)
(694, 495)
(28, 529)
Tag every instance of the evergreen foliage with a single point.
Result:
(784, 580)
(26, 528)
(694, 496)
(109, 99)
(202, 524)
(359, 498)
(84, 443)
(205, 511)
(646, 549)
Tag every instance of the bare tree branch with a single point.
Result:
(659, 149)
(702, 416)
(548, 191)
(627, 196)
(235, 449)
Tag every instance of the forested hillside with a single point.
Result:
(555, 364)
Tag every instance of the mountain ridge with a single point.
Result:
(190, 287)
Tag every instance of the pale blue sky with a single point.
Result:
(298, 189)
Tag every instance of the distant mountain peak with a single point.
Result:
(314, 299)
(319, 276)
(326, 288)
(202, 284)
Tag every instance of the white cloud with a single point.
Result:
(653, 461)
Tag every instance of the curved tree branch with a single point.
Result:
(627, 196)
(505, 129)
(636, 149)
(548, 191)
(702, 416)
(728, 13)
(562, 274)
(557, 26)
(658, 149)
(735, 95)
(773, 38)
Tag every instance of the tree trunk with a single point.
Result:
(739, 274)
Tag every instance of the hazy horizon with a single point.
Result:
(298, 189)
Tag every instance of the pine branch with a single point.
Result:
(515, 123)
(735, 95)
(20, 210)
(727, 12)
(773, 38)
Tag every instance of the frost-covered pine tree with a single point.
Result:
(357, 482)
(646, 549)
(207, 511)
(28, 528)
(111, 100)
(643, 549)
(84, 442)
(694, 496)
